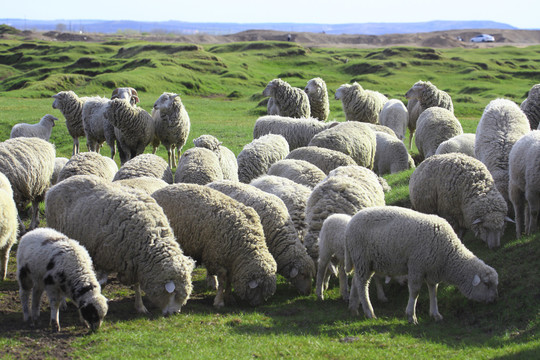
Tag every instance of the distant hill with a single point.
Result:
(181, 27)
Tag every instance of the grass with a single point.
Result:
(221, 87)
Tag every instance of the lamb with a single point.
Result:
(463, 143)
(299, 171)
(256, 157)
(434, 126)
(414, 109)
(28, 163)
(42, 129)
(49, 260)
(351, 138)
(392, 240)
(145, 165)
(501, 125)
(359, 104)
(147, 184)
(391, 155)
(523, 187)
(428, 96)
(531, 106)
(395, 115)
(297, 132)
(225, 236)
(290, 101)
(59, 164)
(325, 159)
(171, 124)
(8, 223)
(127, 233)
(226, 157)
(198, 166)
(318, 99)
(460, 189)
(70, 105)
(89, 163)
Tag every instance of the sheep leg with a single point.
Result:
(533, 200)
(414, 289)
(322, 275)
(75, 149)
(35, 215)
(139, 306)
(54, 300)
(517, 198)
(219, 301)
(25, 285)
(169, 156)
(360, 292)
(380, 290)
(4, 258)
(343, 282)
(211, 282)
(433, 307)
(37, 291)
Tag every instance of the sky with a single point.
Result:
(523, 14)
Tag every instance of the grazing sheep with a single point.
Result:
(359, 173)
(391, 240)
(147, 184)
(325, 159)
(126, 232)
(225, 236)
(59, 164)
(395, 115)
(351, 138)
(256, 157)
(501, 125)
(48, 260)
(434, 126)
(281, 236)
(290, 101)
(428, 96)
(171, 123)
(299, 171)
(414, 109)
(391, 155)
(297, 132)
(89, 163)
(198, 166)
(359, 104)
(318, 99)
(8, 223)
(70, 105)
(463, 144)
(531, 107)
(145, 165)
(40, 130)
(226, 157)
(460, 189)
(28, 163)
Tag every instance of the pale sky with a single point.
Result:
(522, 14)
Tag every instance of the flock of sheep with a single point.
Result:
(304, 199)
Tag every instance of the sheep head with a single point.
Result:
(272, 86)
(126, 93)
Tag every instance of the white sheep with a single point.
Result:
(225, 236)
(59, 164)
(391, 155)
(394, 114)
(42, 129)
(361, 174)
(227, 159)
(49, 260)
(299, 171)
(70, 105)
(428, 95)
(171, 124)
(391, 240)
(125, 232)
(531, 106)
(198, 166)
(360, 104)
(460, 189)
(434, 126)
(145, 165)
(463, 143)
(89, 163)
(147, 184)
(318, 99)
(256, 157)
(325, 159)
(290, 101)
(414, 109)
(8, 223)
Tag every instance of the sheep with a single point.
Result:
(318, 99)
(294, 196)
(299, 171)
(428, 96)
(360, 104)
(460, 189)
(395, 115)
(198, 166)
(391, 155)
(360, 173)
(70, 105)
(501, 125)
(531, 106)
(414, 109)
(89, 163)
(256, 157)
(463, 144)
(49, 260)
(289, 101)
(523, 186)
(227, 159)
(42, 129)
(126, 232)
(145, 165)
(325, 159)
(171, 124)
(297, 132)
(351, 138)
(8, 223)
(392, 240)
(434, 126)
(59, 164)
(28, 163)
(225, 236)
(381, 128)
(147, 184)
(133, 128)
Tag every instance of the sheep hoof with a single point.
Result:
(354, 312)
(413, 320)
(437, 317)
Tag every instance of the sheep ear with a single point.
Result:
(114, 94)
(169, 287)
(294, 272)
(476, 280)
(477, 221)
(506, 218)
(253, 284)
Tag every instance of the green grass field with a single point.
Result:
(221, 87)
